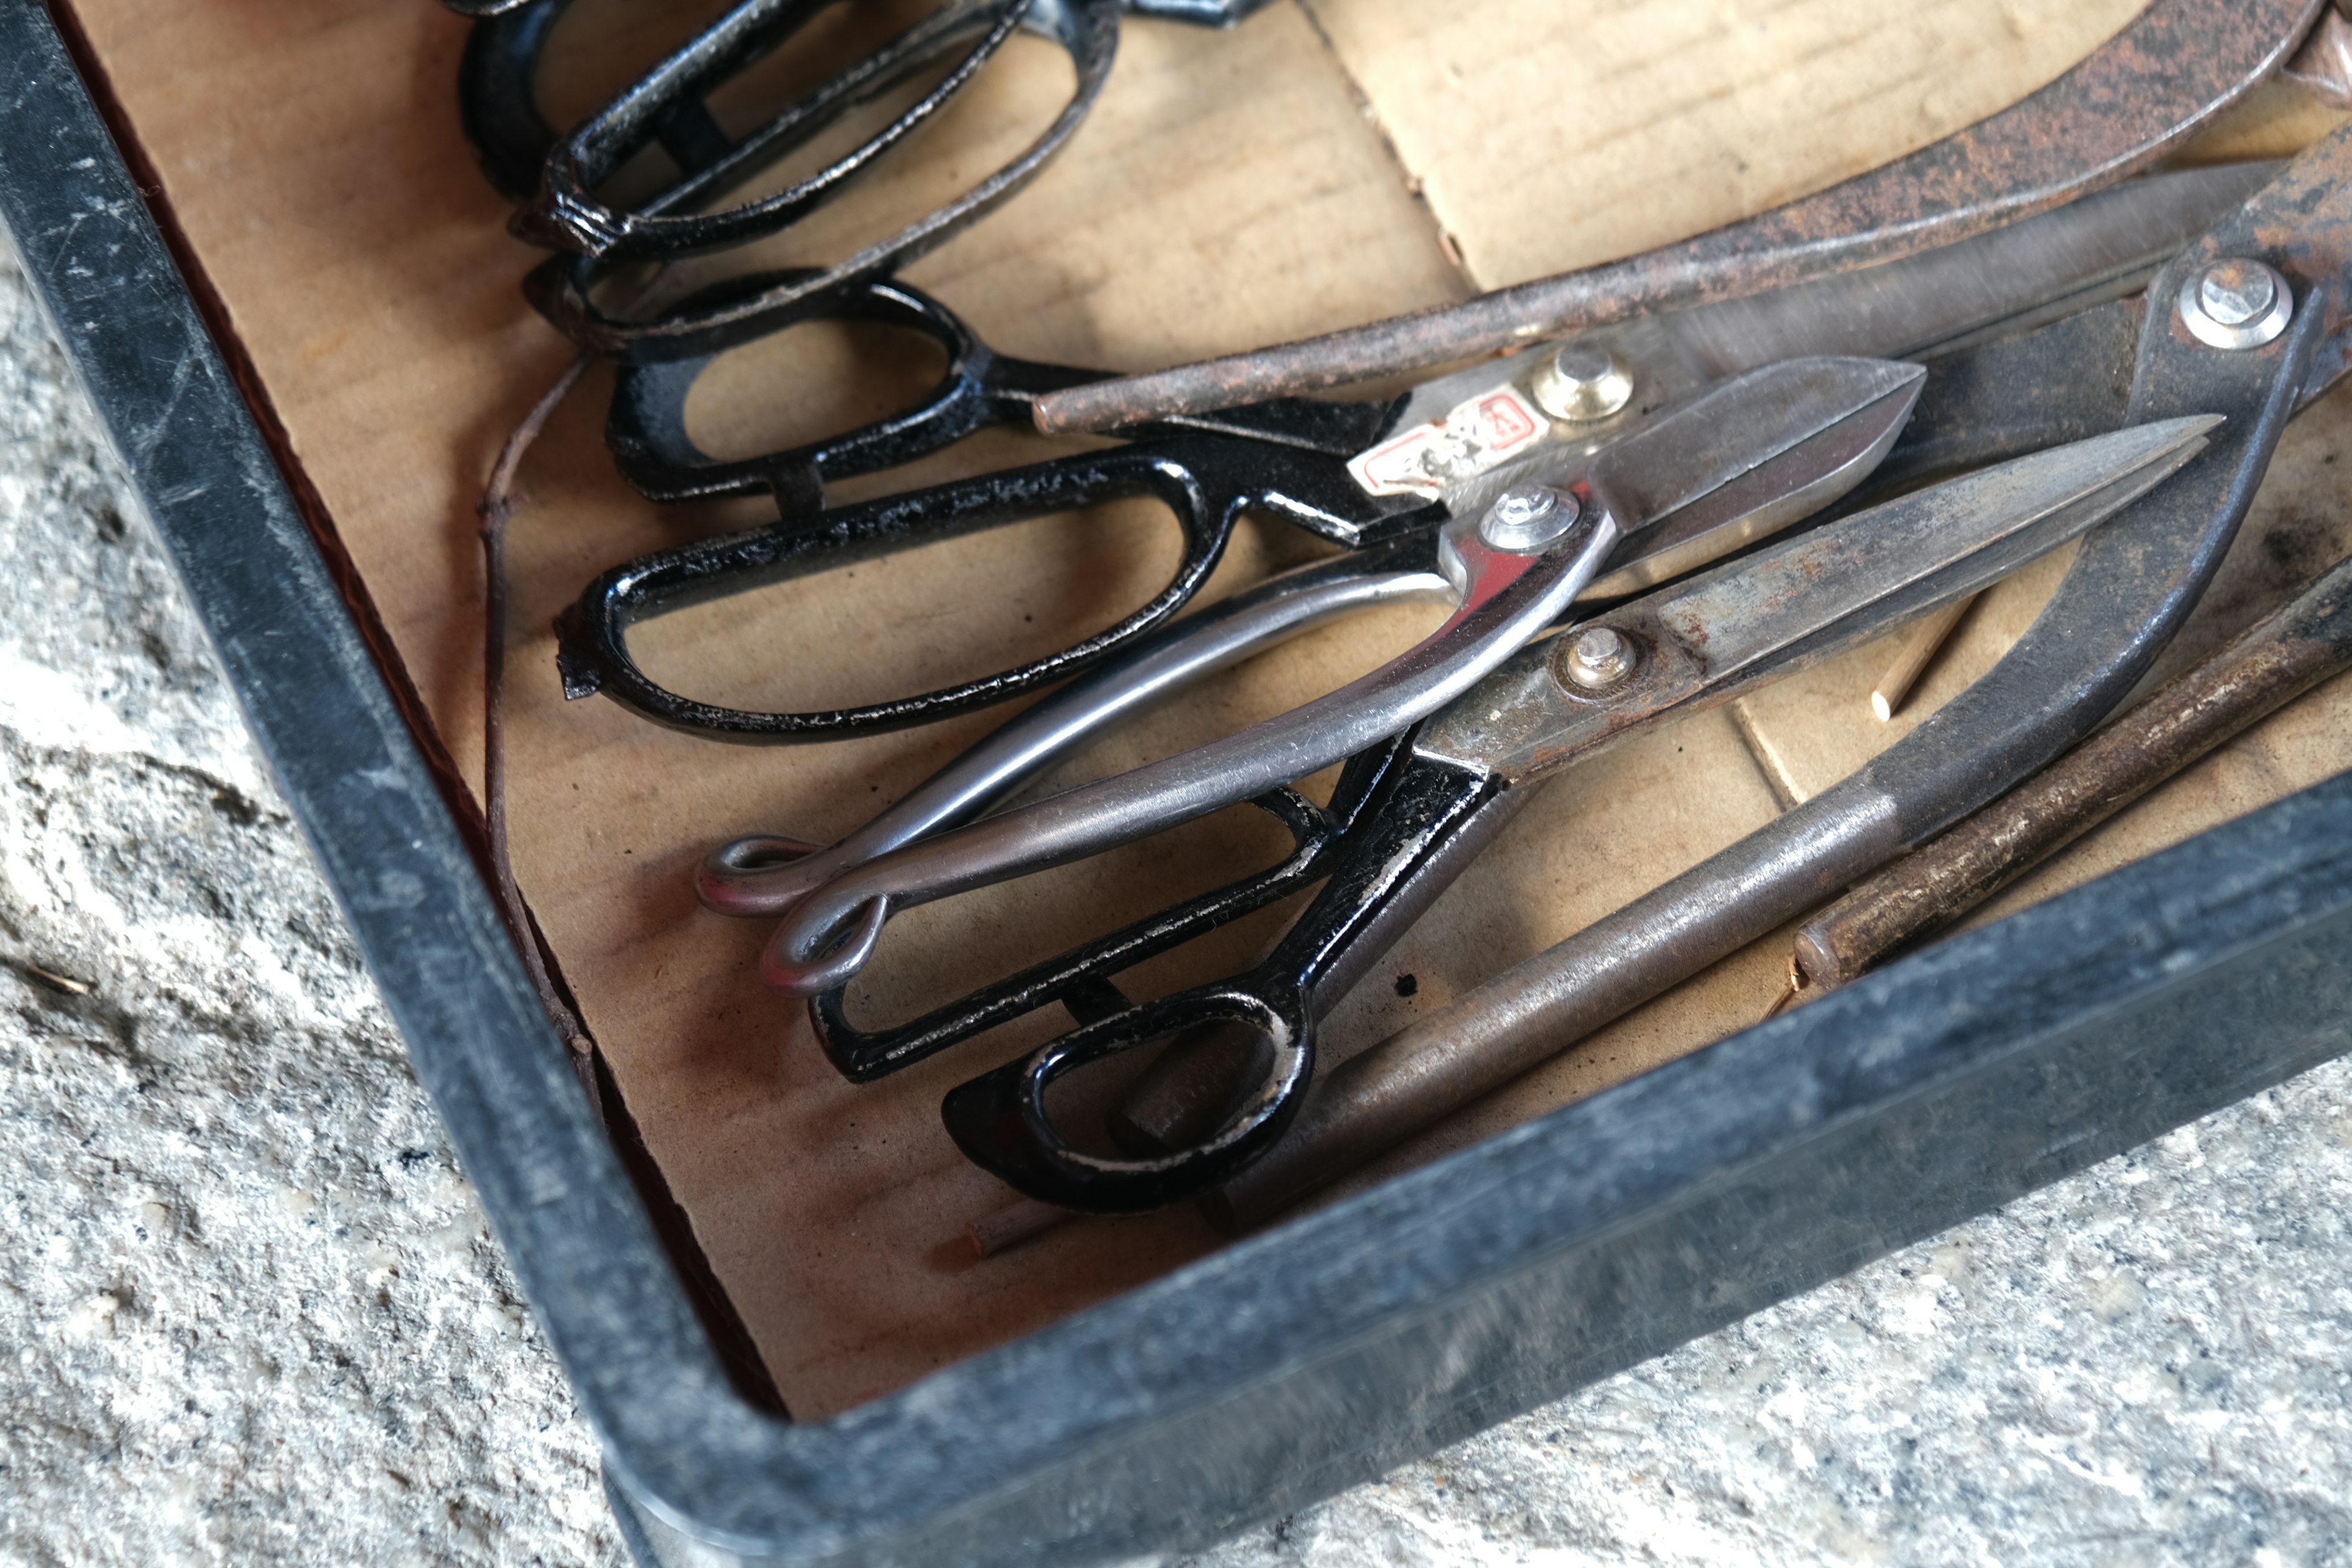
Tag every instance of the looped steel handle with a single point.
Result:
(764, 875)
(1510, 593)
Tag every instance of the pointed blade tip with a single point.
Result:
(2176, 440)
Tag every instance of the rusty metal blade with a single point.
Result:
(2176, 66)
(1705, 640)
(2102, 247)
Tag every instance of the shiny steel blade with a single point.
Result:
(1705, 640)
(1760, 502)
(1885, 565)
(1689, 454)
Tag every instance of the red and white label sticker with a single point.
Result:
(1474, 437)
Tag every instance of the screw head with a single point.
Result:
(1582, 384)
(1526, 518)
(1599, 658)
(2236, 292)
(2236, 303)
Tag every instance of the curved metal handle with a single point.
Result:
(764, 875)
(1509, 596)
(1079, 980)
(646, 433)
(1207, 481)
(535, 165)
(567, 217)
(497, 101)
(999, 1120)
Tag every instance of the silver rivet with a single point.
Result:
(1601, 658)
(1580, 383)
(2236, 303)
(1526, 519)
(2234, 293)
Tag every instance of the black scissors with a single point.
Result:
(556, 176)
(1288, 458)
(1447, 445)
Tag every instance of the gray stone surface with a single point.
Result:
(249, 1312)
(2150, 1364)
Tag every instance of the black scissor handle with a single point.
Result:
(498, 82)
(646, 432)
(498, 99)
(568, 215)
(1078, 980)
(1206, 481)
(1403, 847)
(1081, 981)
(1001, 1122)
(648, 436)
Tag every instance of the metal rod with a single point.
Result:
(2285, 657)
(2173, 68)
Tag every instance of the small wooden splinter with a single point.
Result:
(1021, 1220)
(1918, 651)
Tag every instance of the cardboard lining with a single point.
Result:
(1309, 169)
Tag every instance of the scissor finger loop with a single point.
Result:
(1002, 1118)
(599, 238)
(646, 430)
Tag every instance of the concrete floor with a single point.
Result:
(250, 1314)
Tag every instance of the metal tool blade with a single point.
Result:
(2104, 246)
(1687, 456)
(1796, 410)
(2177, 64)
(1703, 641)
(1704, 522)
(2109, 240)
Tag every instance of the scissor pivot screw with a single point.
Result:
(2237, 303)
(1581, 384)
(1524, 520)
(1599, 658)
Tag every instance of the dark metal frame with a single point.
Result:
(1377, 1329)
